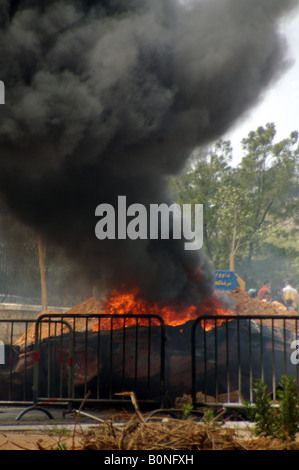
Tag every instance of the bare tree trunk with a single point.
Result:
(233, 248)
(231, 261)
(42, 274)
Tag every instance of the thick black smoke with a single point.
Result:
(108, 98)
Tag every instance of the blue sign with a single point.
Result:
(228, 280)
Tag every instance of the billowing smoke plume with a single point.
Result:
(108, 98)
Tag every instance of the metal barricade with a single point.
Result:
(15, 345)
(102, 356)
(230, 353)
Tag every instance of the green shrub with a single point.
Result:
(281, 422)
(263, 410)
(288, 414)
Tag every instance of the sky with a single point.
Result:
(280, 103)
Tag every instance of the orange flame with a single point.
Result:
(125, 302)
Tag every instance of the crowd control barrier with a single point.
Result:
(98, 358)
(231, 353)
(67, 358)
(15, 381)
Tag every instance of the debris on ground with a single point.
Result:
(162, 434)
(152, 433)
(38, 440)
(245, 305)
(186, 399)
(178, 434)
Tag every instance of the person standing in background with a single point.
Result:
(278, 296)
(266, 289)
(289, 292)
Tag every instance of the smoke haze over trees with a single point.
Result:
(250, 210)
(110, 97)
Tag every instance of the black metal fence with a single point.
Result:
(62, 358)
(102, 356)
(15, 368)
(230, 353)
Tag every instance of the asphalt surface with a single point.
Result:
(14, 417)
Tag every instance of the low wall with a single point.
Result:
(9, 330)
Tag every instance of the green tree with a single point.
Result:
(247, 205)
(268, 176)
(282, 421)
(288, 416)
(263, 411)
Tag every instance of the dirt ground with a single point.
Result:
(35, 431)
(37, 440)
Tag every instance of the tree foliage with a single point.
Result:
(281, 422)
(247, 206)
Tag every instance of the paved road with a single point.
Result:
(12, 416)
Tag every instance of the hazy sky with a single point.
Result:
(280, 103)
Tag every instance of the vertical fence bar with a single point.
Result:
(205, 361)
(250, 363)
(227, 361)
(193, 363)
(25, 365)
(162, 360)
(136, 354)
(48, 360)
(36, 363)
(239, 362)
(85, 355)
(111, 358)
(216, 360)
(123, 356)
(10, 360)
(61, 360)
(71, 385)
(148, 357)
(273, 362)
(284, 348)
(262, 351)
(98, 357)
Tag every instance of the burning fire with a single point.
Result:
(123, 302)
